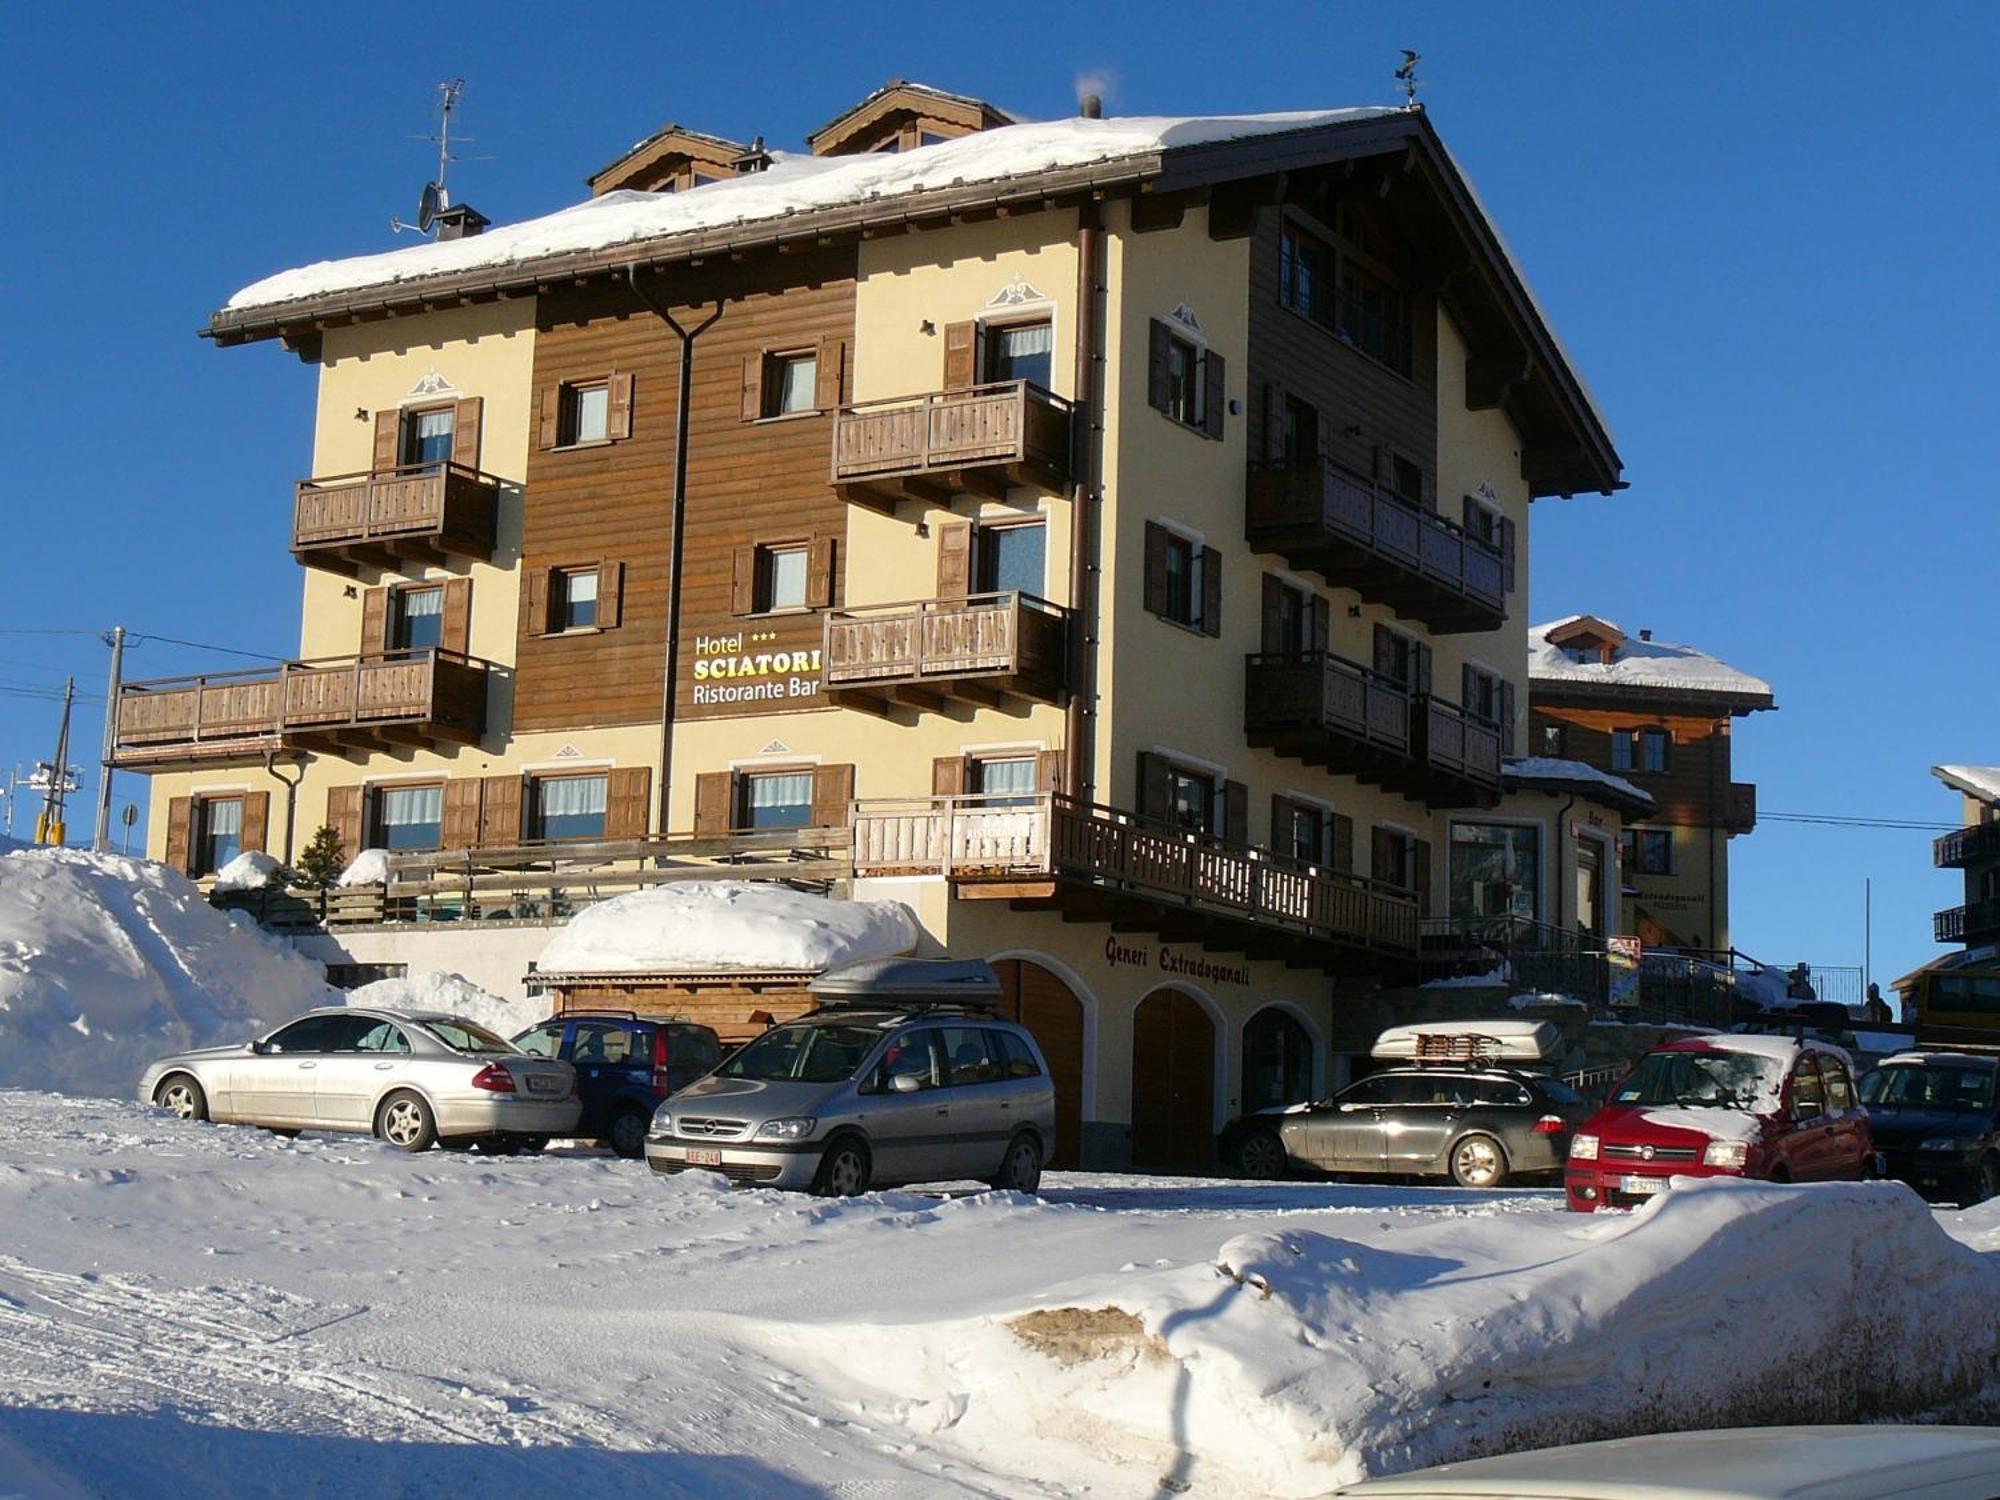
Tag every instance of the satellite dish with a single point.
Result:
(428, 203)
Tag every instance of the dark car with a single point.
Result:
(1481, 1126)
(625, 1067)
(1937, 1124)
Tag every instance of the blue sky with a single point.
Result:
(1764, 231)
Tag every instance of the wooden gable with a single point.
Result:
(670, 159)
(899, 115)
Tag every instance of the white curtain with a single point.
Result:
(781, 791)
(405, 806)
(1026, 340)
(572, 796)
(223, 816)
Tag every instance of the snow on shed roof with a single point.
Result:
(1982, 782)
(1636, 663)
(1543, 768)
(794, 184)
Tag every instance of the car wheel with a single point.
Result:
(1478, 1162)
(1987, 1183)
(1260, 1155)
(628, 1133)
(181, 1094)
(843, 1171)
(1021, 1171)
(405, 1122)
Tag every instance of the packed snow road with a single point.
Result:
(219, 1311)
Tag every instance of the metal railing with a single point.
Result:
(1969, 923)
(1963, 846)
(1009, 634)
(1004, 422)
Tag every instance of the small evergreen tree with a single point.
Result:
(323, 860)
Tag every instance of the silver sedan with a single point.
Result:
(412, 1078)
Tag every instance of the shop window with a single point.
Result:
(567, 807)
(218, 836)
(1495, 871)
(407, 817)
(1277, 1061)
(774, 799)
(418, 618)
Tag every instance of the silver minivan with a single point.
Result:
(850, 1098)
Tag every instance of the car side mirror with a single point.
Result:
(904, 1083)
(258, 1048)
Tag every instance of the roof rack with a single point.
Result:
(1469, 1043)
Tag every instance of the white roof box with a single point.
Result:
(1469, 1042)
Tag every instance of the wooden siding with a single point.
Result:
(748, 482)
(1693, 792)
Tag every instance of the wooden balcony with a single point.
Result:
(981, 441)
(1326, 711)
(1322, 519)
(1455, 756)
(1966, 846)
(391, 517)
(1976, 922)
(1100, 864)
(982, 650)
(1739, 811)
(333, 704)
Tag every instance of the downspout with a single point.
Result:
(683, 403)
(1086, 435)
(291, 798)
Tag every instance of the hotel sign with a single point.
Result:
(744, 668)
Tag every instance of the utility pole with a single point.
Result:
(1867, 931)
(100, 838)
(49, 826)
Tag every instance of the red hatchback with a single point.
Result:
(1722, 1106)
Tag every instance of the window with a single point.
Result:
(1482, 522)
(1191, 800)
(379, 1037)
(312, 1034)
(1184, 581)
(1021, 351)
(573, 598)
(1648, 851)
(586, 416)
(419, 619)
(1301, 432)
(1016, 1056)
(1184, 383)
(1639, 749)
(1301, 832)
(1008, 781)
(775, 799)
(1395, 657)
(791, 384)
(1305, 275)
(1554, 741)
(1277, 1061)
(543, 1041)
(1623, 744)
(1406, 479)
(1010, 559)
(1482, 694)
(968, 1055)
(1495, 870)
(1395, 858)
(408, 817)
(1839, 1087)
(1807, 1098)
(604, 1044)
(781, 578)
(427, 435)
(1374, 316)
(567, 807)
(218, 833)
(1294, 621)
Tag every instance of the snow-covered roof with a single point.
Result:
(794, 184)
(1524, 769)
(1982, 782)
(1663, 666)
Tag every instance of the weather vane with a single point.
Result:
(1406, 75)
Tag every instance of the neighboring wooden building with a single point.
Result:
(1661, 716)
(1975, 850)
(1118, 531)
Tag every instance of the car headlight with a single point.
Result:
(1952, 1143)
(1725, 1154)
(1583, 1148)
(795, 1128)
(663, 1124)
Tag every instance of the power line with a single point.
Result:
(165, 640)
(1841, 820)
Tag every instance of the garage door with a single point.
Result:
(1051, 1011)
(1173, 1084)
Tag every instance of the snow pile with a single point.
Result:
(1524, 768)
(1492, 979)
(793, 185)
(251, 870)
(370, 867)
(1637, 663)
(1982, 782)
(720, 926)
(1547, 998)
(452, 994)
(107, 963)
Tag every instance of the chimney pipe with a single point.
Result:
(1093, 107)
(458, 221)
(1645, 635)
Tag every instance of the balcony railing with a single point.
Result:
(1003, 842)
(1974, 922)
(1965, 846)
(929, 446)
(1458, 749)
(1325, 710)
(1739, 812)
(1355, 534)
(419, 512)
(924, 651)
(352, 702)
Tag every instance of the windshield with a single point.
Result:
(1703, 1080)
(808, 1054)
(1928, 1086)
(463, 1036)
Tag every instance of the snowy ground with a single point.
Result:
(212, 1310)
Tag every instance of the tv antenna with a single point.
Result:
(1406, 75)
(435, 198)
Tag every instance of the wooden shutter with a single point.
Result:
(1280, 816)
(388, 439)
(1214, 394)
(180, 832)
(1385, 652)
(1422, 850)
(459, 827)
(256, 820)
(743, 581)
(1158, 343)
(961, 356)
(500, 810)
(819, 573)
(1155, 792)
(753, 386)
(618, 405)
(714, 791)
(628, 795)
(455, 631)
(1343, 843)
(1322, 624)
(610, 594)
(535, 602)
(465, 431)
(1382, 862)
(1048, 770)
(1423, 685)
(1211, 591)
(549, 433)
(1236, 812)
(1506, 716)
(1274, 640)
(1274, 422)
(1156, 567)
(948, 776)
(954, 560)
(833, 789)
(374, 621)
(343, 816)
(828, 371)
(1507, 553)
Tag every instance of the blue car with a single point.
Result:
(625, 1066)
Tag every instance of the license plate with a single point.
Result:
(701, 1156)
(540, 1084)
(1641, 1187)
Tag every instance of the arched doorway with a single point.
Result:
(1173, 1084)
(1277, 1060)
(1049, 1008)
